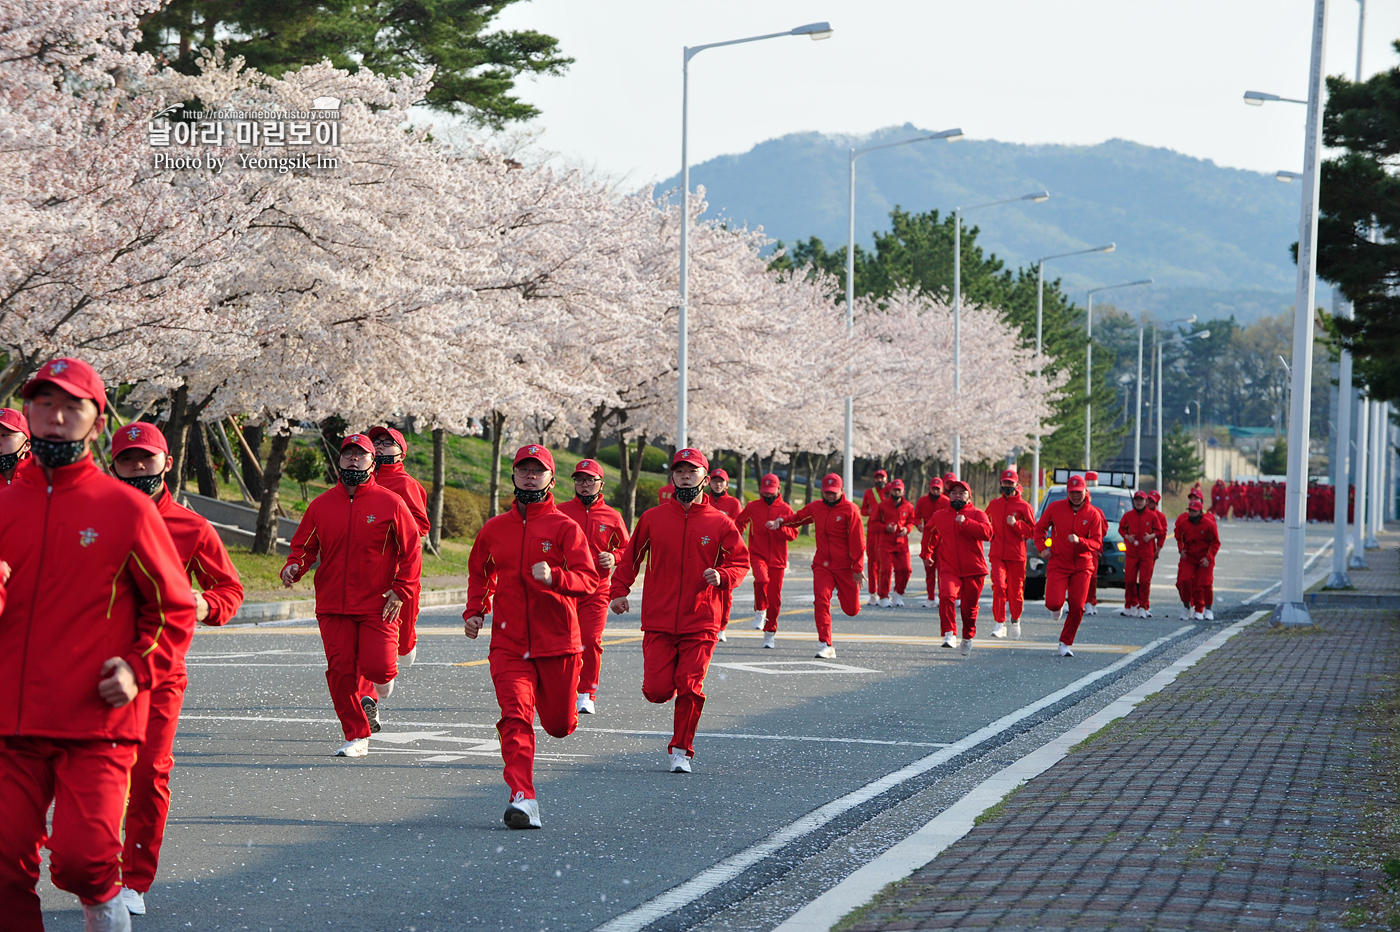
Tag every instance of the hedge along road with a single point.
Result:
(269, 831)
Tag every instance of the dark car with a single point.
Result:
(1113, 502)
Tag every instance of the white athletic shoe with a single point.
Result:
(722, 636)
(929, 603)
(586, 705)
(1185, 613)
(134, 901)
(770, 640)
(357, 747)
(885, 602)
(1091, 609)
(111, 916)
(522, 813)
(758, 620)
(1064, 650)
(406, 660)
(385, 690)
(1127, 612)
(827, 651)
(999, 631)
(1015, 627)
(1144, 613)
(1198, 616)
(897, 600)
(950, 640)
(966, 649)
(874, 599)
(371, 713)
(1210, 616)
(1059, 614)
(679, 762)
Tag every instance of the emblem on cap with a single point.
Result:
(57, 368)
(87, 536)
(533, 449)
(133, 434)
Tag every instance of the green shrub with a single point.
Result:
(654, 459)
(463, 512)
(304, 464)
(647, 490)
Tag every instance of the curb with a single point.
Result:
(256, 613)
(1344, 599)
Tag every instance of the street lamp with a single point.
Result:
(1089, 362)
(817, 31)
(1199, 440)
(1039, 316)
(1259, 98)
(1198, 335)
(951, 135)
(1037, 197)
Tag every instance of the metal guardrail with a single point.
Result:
(255, 613)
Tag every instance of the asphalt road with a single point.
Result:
(268, 830)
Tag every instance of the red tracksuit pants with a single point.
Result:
(86, 783)
(874, 547)
(148, 804)
(1008, 589)
(675, 665)
(592, 618)
(361, 650)
(967, 589)
(1195, 584)
(931, 579)
(847, 590)
(1137, 581)
(768, 592)
(1061, 584)
(894, 560)
(408, 619)
(523, 687)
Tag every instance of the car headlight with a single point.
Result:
(1122, 547)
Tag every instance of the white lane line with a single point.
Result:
(777, 667)
(1306, 566)
(683, 894)
(953, 823)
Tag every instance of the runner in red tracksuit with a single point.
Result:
(1076, 529)
(368, 545)
(1159, 519)
(895, 518)
(693, 552)
(928, 504)
(768, 554)
(721, 499)
(869, 508)
(534, 565)
(141, 459)
(958, 533)
(839, 561)
(14, 443)
(606, 533)
(1138, 528)
(1012, 522)
(389, 451)
(96, 612)
(1198, 541)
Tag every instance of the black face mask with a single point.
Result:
(386, 459)
(833, 503)
(686, 496)
(57, 453)
(147, 484)
(935, 495)
(1008, 490)
(530, 496)
(354, 477)
(8, 461)
(769, 499)
(588, 499)
(957, 505)
(1196, 518)
(720, 493)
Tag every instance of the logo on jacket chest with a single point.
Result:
(369, 519)
(705, 541)
(545, 545)
(86, 536)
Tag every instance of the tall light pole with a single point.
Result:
(1039, 321)
(1137, 419)
(952, 135)
(1380, 415)
(1199, 444)
(816, 31)
(1363, 476)
(1199, 335)
(1089, 363)
(1038, 197)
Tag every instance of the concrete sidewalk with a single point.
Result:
(1239, 796)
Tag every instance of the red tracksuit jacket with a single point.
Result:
(767, 547)
(604, 529)
(367, 545)
(1141, 526)
(531, 619)
(94, 575)
(1008, 541)
(726, 503)
(397, 480)
(1160, 519)
(1087, 523)
(1197, 541)
(958, 544)
(926, 506)
(923, 512)
(677, 546)
(203, 555)
(901, 515)
(840, 538)
(870, 502)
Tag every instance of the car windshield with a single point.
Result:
(1112, 502)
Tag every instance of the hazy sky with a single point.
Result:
(1034, 71)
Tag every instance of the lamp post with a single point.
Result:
(1199, 445)
(1199, 335)
(1039, 319)
(1037, 197)
(1089, 363)
(1379, 417)
(952, 135)
(816, 31)
(1137, 419)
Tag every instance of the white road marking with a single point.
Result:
(793, 666)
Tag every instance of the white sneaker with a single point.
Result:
(897, 601)
(110, 916)
(1185, 613)
(722, 636)
(385, 690)
(1144, 613)
(1015, 627)
(950, 640)
(1210, 615)
(1127, 612)
(885, 602)
(929, 603)
(679, 762)
(406, 660)
(1198, 616)
(966, 648)
(371, 713)
(134, 901)
(827, 651)
(522, 813)
(1064, 650)
(1091, 609)
(874, 599)
(999, 631)
(758, 620)
(1059, 614)
(586, 705)
(358, 747)
(770, 640)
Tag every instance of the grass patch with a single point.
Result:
(996, 810)
(1294, 631)
(857, 915)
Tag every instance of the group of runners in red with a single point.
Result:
(1263, 501)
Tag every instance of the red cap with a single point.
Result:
(935, 483)
(1009, 475)
(589, 468)
(360, 441)
(949, 477)
(952, 484)
(881, 474)
(720, 474)
(1194, 501)
(14, 420)
(139, 435)
(74, 376)
(377, 431)
(768, 483)
(1076, 484)
(693, 457)
(1195, 496)
(1139, 494)
(1154, 496)
(897, 484)
(533, 451)
(831, 482)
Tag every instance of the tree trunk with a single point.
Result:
(250, 467)
(498, 423)
(439, 479)
(265, 539)
(631, 469)
(811, 461)
(787, 486)
(743, 463)
(772, 458)
(595, 438)
(176, 428)
(199, 461)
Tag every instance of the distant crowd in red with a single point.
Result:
(1263, 501)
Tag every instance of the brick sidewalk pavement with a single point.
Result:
(1226, 801)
